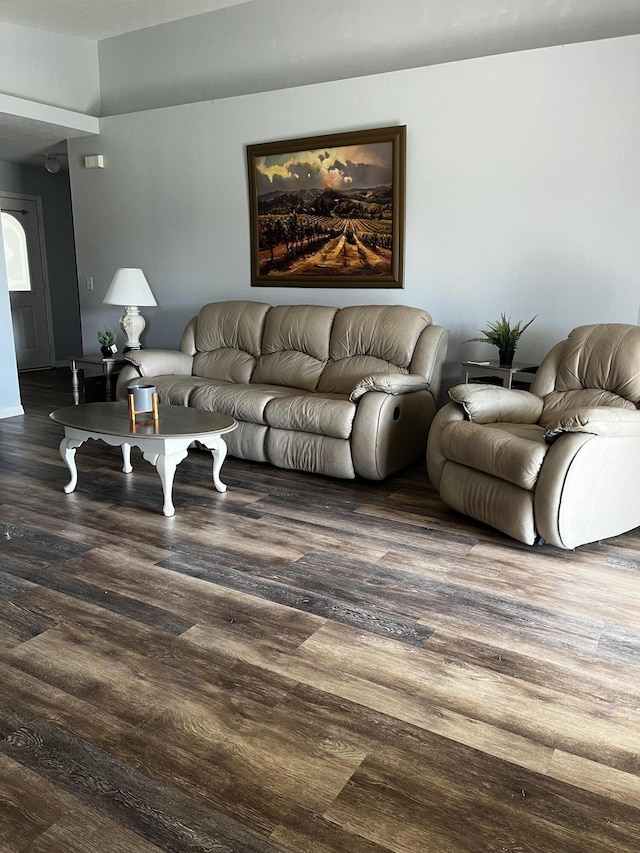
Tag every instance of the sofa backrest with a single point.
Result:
(598, 365)
(368, 339)
(313, 347)
(295, 346)
(228, 339)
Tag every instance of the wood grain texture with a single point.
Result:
(300, 664)
(48, 820)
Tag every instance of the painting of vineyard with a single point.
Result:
(327, 211)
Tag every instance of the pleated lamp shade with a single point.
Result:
(130, 288)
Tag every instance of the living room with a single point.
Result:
(522, 188)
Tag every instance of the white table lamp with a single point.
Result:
(131, 289)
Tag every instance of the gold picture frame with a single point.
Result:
(328, 211)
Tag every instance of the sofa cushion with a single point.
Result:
(248, 441)
(295, 346)
(342, 377)
(490, 500)
(606, 421)
(228, 340)
(315, 413)
(176, 390)
(304, 451)
(511, 452)
(243, 401)
(604, 356)
(559, 403)
(368, 339)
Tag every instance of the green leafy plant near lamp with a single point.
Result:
(503, 335)
(107, 341)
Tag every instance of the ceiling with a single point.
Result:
(27, 140)
(24, 139)
(100, 19)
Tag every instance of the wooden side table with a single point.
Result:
(483, 370)
(93, 362)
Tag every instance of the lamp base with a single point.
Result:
(132, 324)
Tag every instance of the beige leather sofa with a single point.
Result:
(561, 462)
(342, 392)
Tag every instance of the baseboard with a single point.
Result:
(11, 412)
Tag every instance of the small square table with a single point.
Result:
(107, 366)
(520, 371)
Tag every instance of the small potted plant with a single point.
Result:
(504, 336)
(107, 341)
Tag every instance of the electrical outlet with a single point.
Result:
(89, 281)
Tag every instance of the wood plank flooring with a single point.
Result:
(300, 664)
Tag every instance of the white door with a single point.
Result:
(21, 234)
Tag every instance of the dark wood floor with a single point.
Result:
(300, 664)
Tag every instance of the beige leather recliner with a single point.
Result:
(560, 462)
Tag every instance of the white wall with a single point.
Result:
(523, 193)
(274, 44)
(49, 68)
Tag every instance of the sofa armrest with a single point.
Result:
(587, 486)
(487, 404)
(389, 383)
(390, 432)
(126, 376)
(606, 421)
(158, 362)
(436, 460)
(429, 355)
(151, 362)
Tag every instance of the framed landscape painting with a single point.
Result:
(328, 211)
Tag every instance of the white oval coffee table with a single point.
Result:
(164, 445)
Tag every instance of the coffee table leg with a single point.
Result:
(218, 447)
(68, 448)
(166, 468)
(127, 467)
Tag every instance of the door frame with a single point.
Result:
(44, 263)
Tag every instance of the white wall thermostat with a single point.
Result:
(94, 161)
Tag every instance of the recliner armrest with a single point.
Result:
(609, 421)
(487, 404)
(389, 383)
(157, 362)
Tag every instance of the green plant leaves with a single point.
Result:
(502, 334)
(106, 337)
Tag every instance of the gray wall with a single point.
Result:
(45, 69)
(55, 193)
(49, 68)
(523, 193)
(274, 44)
